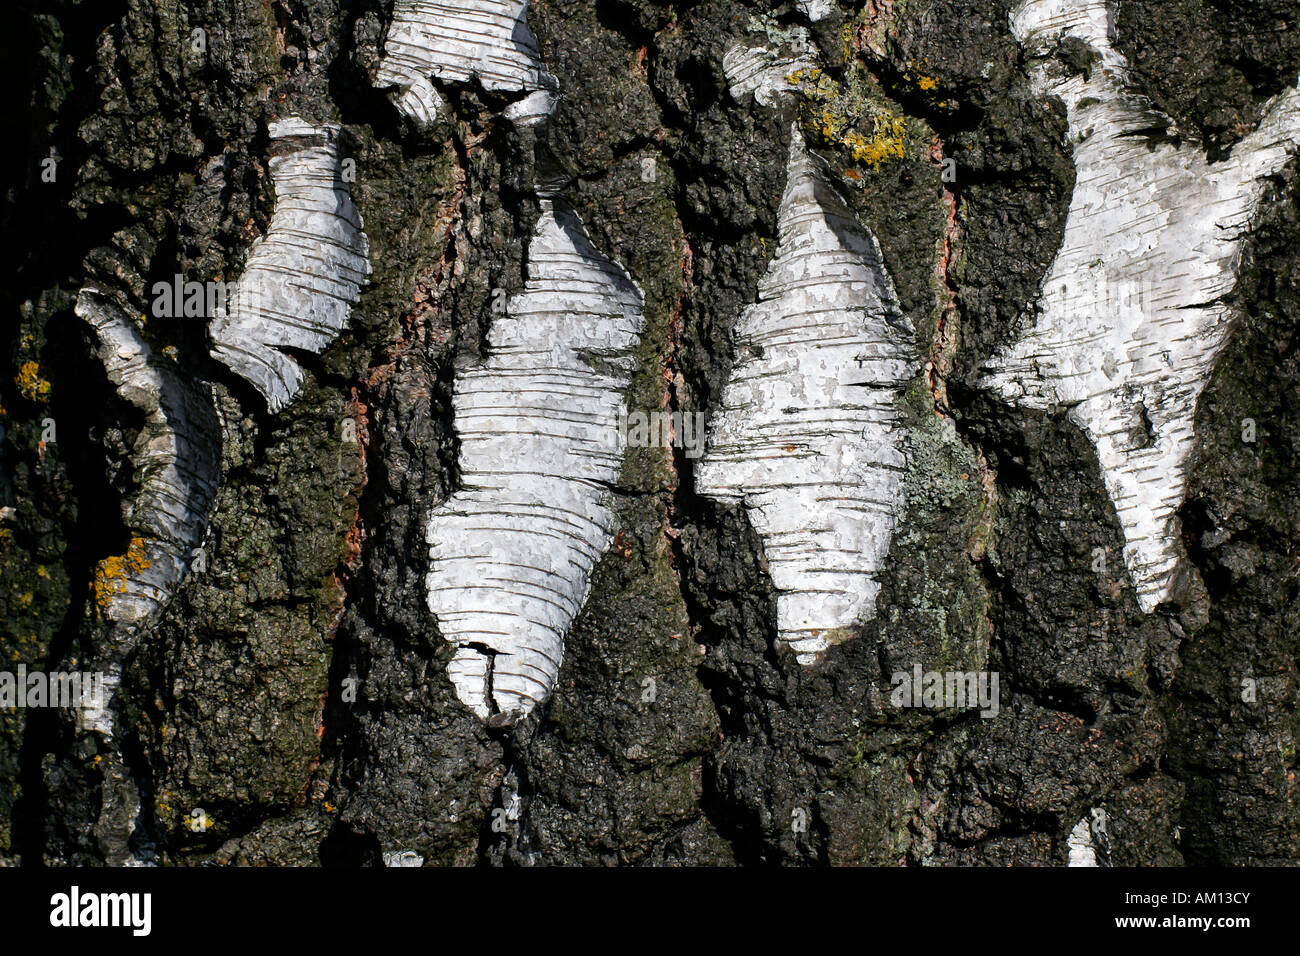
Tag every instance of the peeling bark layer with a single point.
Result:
(1133, 311)
(484, 40)
(304, 275)
(808, 436)
(763, 72)
(511, 553)
(176, 462)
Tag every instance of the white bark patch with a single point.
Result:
(511, 553)
(808, 435)
(177, 469)
(1132, 312)
(304, 275)
(460, 41)
(816, 10)
(1082, 850)
(764, 72)
(176, 458)
(402, 858)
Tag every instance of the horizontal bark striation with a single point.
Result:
(177, 469)
(511, 553)
(487, 40)
(808, 436)
(304, 275)
(1132, 313)
(764, 72)
(176, 460)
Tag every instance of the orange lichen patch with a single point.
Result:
(111, 573)
(926, 82)
(30, 384)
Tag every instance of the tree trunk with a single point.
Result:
(605, 432)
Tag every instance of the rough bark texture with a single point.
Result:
(291, 701)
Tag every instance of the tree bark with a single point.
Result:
(418, 593)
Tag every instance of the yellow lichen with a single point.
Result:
(30, 384)
(886, 142)
(836, 113)
(111, 573)
(810, 75)
(199, 824)
(926, 82)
